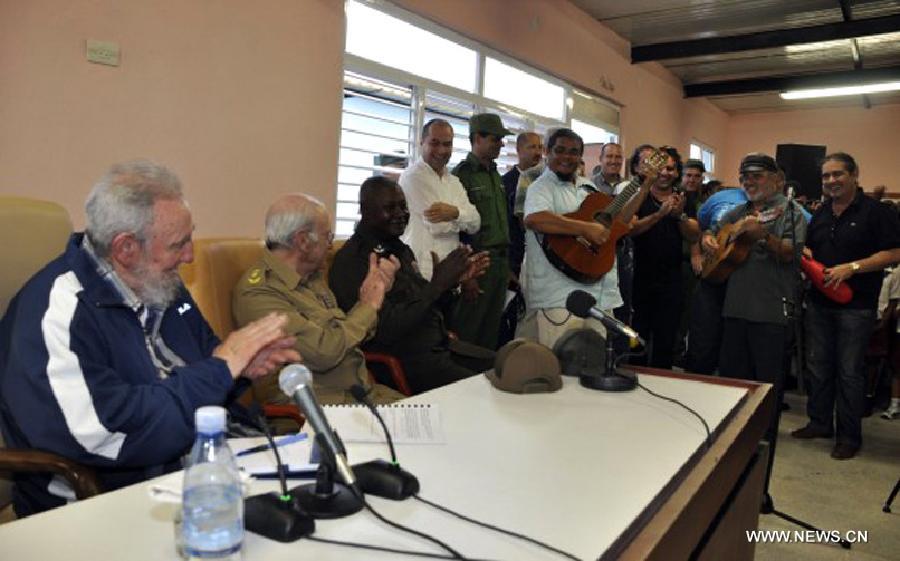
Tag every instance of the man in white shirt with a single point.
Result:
(557, 191)
(438, 204)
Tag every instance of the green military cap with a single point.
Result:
(487, 123)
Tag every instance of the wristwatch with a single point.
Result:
(855, 267)
(683, 217)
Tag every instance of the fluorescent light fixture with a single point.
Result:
(843, 90)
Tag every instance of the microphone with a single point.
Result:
(378, 477)
(613, 379)
(295, 380)
(582, 304)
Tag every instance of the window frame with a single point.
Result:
(420, 86)
(704, 149)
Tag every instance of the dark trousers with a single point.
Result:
(624, 313)
(657, 311)
(755, 351)
(689, 283)
(705, 328)
(836, 341)
(445, 366)
(625, 268)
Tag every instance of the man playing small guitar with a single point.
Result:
(755, 325)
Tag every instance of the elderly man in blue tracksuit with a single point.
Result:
(104, 356)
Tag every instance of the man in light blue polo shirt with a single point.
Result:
(559, 190)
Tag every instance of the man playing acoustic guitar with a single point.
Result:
(755, 319)
(559, 190)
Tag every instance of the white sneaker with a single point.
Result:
(891, 412)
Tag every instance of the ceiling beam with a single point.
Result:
(783, 83)
(765, 39)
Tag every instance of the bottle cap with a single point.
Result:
(210, 419)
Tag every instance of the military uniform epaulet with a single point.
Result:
(255, 276)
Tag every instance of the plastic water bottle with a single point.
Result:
(212, 505)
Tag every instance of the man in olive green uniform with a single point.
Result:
(476, 316)
(288, 279)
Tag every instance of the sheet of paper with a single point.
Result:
(407, 423)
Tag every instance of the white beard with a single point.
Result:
(158, 290)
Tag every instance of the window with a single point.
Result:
(521, 89)
(375, 139)
(592, 134)
(401, 71)
(390, 41)
(705, 154)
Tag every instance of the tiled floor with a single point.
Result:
(835, 495)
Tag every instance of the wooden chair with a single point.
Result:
(35, 232)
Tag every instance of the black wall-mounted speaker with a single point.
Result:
(801, 163)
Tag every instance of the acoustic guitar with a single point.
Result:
(735, 246)
(578, 258)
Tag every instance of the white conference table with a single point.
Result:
(600, 475)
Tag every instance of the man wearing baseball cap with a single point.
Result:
(476, 316)
(754, 322)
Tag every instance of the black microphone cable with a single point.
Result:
(676, 402)
(279, 466)
(256, 420)
(528, 539)
(671, 399)
(455, 554)
(372, 547)
(359, 393)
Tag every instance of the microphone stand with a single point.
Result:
(324, 499)
(790, 311)
(277, 516)
(613, 378)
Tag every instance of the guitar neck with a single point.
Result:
(619, 202)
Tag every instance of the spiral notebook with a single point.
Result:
(409, 423)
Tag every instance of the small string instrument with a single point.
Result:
(578, 258)
(735, 246)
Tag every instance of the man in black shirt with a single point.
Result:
(411, 319)
(855, 237)
(658, 232)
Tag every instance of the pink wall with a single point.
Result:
(560, 39)
(242, 99)
(871, 136)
